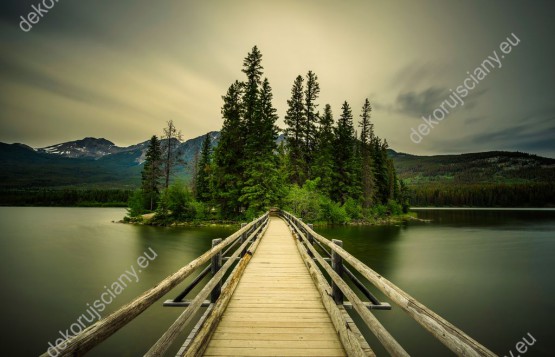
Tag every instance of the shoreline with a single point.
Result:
(382, 221)
(483, 208)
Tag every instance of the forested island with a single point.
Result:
(325, 170)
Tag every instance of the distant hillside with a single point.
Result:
(486, 179)
(484, 167)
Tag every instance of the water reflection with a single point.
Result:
(63, 257)
(375, 245)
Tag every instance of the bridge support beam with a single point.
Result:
(337, 265)
(243, 239)
(216, 264)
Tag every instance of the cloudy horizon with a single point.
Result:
(121, 70)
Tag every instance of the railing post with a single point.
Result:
(243, 239)
(308, 235)
(337, 265)
(216, 263)
(298, 225)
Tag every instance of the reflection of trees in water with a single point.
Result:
(372, 245)
(483, 218)
(177, 246)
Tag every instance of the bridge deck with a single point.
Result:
(276, 309)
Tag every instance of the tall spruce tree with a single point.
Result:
(367, 171)
(204, 168)
(263, 187)
(171, 151)
(381, 170)
(295, 133)
(252, 68)
(229, 154)
(355, 189)
(324, 154)
(344, 156)
(152, 174)
(311, 93)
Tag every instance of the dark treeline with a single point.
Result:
(484, 195)
(66, 197)
(323, 170)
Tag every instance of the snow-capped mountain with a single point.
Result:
(93, 148)
(84, 148)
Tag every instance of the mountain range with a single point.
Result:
(99, 163)
(88, 162)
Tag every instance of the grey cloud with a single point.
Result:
(419, 103)
(473, 120)
(418, 74)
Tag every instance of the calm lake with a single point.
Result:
(488, 272)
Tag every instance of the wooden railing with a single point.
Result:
(101, 330)
(452, 337)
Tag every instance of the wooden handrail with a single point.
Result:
(173, 332)
(353, 342)
(452, 337)
(386, 339)
(101, 330)
(200, 340)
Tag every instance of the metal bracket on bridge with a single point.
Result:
(227, 258)
(171, 303)
(369, 305)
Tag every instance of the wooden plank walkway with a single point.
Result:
(276, 310)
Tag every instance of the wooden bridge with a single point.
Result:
(271, 297)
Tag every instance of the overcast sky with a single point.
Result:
(120, 69)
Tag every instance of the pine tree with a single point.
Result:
(311, 93)
(381, 170)
(263, 186)
(252, 68)
(229, 154)
(152, 174)
(171, 149)
(344, 154)
(368, 184)
(324, 154)
(295, 133)
(355, 189)
(392, 184)
(202, 178)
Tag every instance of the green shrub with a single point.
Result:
(136, 204)
(394, 208)
(353, 209)
(201, 212)
(177, 203)
(379, 210)
(304, 202)
(332, 212)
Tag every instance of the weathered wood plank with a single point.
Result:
(282, 324)
(275, 335)
(223, 351)
(273, 344)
